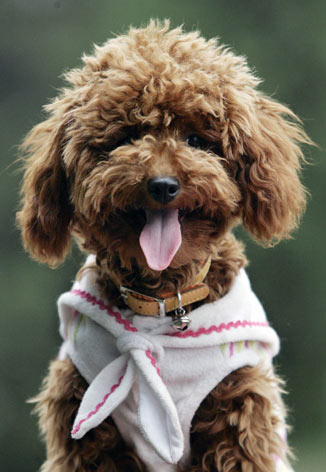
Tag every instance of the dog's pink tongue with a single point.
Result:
(160, 238)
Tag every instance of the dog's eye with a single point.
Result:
(123, 141)
(107, 148)
(196, 141)
(128, 135)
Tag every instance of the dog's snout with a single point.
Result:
(163, 189)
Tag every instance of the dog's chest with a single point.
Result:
(151, 378)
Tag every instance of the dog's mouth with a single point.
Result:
(160, 233)
(161, 237)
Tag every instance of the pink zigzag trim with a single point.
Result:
(153, 361)
(220, 328)
(100, 303)
(98, 407)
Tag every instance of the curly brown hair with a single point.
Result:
(160, 102)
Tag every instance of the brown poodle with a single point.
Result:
(159, 146)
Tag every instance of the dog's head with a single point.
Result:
(158, 147)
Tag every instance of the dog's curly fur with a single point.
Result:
(126, 117)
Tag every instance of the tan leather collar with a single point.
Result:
(147, 305)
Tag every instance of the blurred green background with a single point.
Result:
(285, 42)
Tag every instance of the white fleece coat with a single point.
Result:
(148, 376)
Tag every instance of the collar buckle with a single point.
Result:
(161, 301)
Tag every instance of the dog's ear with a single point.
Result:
(46, 209)
(268, 169)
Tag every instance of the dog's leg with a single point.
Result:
(101, 450)
(236, 428)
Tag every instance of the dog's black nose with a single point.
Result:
(163, 189)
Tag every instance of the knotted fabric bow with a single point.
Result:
(157, 414)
